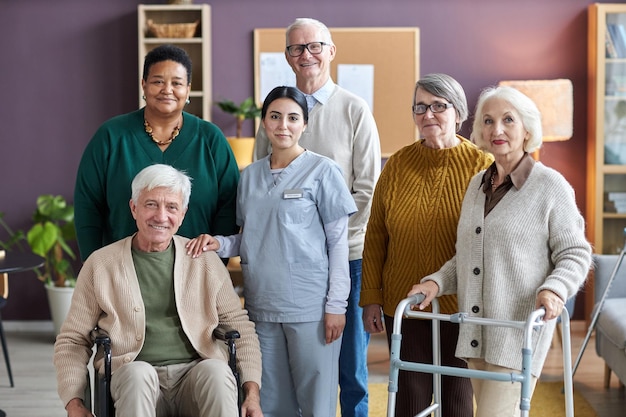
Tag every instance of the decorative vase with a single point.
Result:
(59, 299)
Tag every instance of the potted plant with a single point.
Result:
(49, 237)
(247, 109)
(53, 228)
(242, 146)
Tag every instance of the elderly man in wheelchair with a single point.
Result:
(159, 308)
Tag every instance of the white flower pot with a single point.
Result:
(59, 299)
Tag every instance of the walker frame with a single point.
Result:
(533, 322)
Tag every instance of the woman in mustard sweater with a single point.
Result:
(412, 231)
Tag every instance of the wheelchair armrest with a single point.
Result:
(100, 337)
(225, 333)
(104, 402)
(228, 335)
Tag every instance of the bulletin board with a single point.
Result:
(394, 54)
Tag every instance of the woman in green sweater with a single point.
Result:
(412, 231)
(159, 133)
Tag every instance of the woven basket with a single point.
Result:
(172, 30)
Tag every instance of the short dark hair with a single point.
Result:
(167, 53)
(286, 92)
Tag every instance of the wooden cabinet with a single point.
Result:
(197, 44)
(606, 153)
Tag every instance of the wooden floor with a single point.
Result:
(34, 394)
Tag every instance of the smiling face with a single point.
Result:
(310, 69)
(159, 213)
(502, 129)
(166, 88)
(435, 126)
(284, 123)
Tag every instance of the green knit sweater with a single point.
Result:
(412, 228)
(121, 148)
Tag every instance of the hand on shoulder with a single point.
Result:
(203, 243)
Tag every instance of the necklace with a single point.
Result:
(148, 128)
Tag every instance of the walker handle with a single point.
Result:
(416, 299)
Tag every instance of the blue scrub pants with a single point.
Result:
(300, 371)
(353, 395)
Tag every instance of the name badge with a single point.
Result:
(294, 193)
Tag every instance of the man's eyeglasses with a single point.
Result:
(314, 48)
(435, 107)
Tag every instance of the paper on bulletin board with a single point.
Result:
(358, 79)
(275, 71)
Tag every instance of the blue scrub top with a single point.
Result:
(283, 251)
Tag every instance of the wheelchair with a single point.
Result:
(102, 405)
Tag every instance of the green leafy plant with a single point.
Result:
(247, 109)
(53, 228)
(49, 237)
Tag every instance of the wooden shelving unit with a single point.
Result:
(198, 47)
(606, 142)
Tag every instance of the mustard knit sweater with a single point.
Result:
(412, 228)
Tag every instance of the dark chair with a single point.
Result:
(103, 403)
(4, 294)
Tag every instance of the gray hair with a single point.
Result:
(529, 113)
(307, 21)
(444, 86)
(161, 175)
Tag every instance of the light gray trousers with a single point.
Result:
(300, 371)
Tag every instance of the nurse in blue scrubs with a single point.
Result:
(293, 207)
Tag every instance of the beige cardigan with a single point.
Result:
(108, 296)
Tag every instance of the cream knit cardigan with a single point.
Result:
(108, 296)
(533, 240)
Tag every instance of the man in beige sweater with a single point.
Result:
(160, 307)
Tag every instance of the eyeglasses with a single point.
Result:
(435, 107)
(314, 48)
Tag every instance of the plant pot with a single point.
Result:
(243, 148)
(59, 299)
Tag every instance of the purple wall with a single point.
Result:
(68, 65)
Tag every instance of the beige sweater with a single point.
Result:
(108, 296)
(533, 240)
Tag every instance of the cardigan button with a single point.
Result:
(474, 343)
(476, 271)
(126, 359)
(475, 309)
(478, 230)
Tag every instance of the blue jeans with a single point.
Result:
(353, 395)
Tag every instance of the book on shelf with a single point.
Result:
(616, 196)
(611, 52)
(615, 202)
(617, 33)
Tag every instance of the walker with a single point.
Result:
(533, 322)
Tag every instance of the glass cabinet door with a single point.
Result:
(615, 90)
